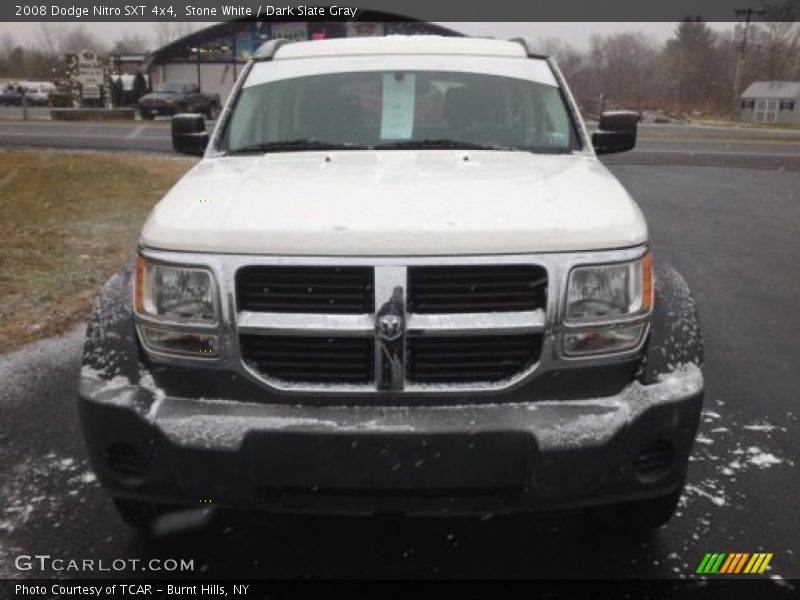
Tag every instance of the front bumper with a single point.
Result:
(416, 459)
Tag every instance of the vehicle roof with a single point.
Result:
(400, 44)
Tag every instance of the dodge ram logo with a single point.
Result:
(390, 327)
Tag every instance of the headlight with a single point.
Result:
(176, 305)
(175, 294)
(607, 306)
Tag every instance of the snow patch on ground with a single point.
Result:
(32, 491)
(741, 448)
(712, 495)
(731, 462)
(764, 427)
(762, 459)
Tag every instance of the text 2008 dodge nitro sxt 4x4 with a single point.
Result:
(398, 280)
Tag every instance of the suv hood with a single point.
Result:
(396, 202)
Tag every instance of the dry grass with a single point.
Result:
(68, 221)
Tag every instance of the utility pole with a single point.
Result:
(748, 14)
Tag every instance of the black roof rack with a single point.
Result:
(267, 50)
(529, 50)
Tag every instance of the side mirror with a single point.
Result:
(616, 132)
(189, 135)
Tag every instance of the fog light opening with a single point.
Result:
(127, 463)
(654, 461)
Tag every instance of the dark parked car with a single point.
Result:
(178, 97)
(10, 97)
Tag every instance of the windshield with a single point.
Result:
(170, 88)
(400, 109)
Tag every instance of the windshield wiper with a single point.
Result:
(297, 145)
(443, 143)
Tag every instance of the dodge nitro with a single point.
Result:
(399, 279)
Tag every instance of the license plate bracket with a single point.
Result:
(403, 462)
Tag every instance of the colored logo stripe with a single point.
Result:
(758, 563)
(734, 563)
(741, 562)
(732, 559)
(720, 562)
(711, 563)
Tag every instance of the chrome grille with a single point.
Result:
(386, 329)
(476, 288)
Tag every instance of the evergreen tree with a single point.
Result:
(693, 65)
(116, 92)
(139, 86)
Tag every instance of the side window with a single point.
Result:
(557, 123)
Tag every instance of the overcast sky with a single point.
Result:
(576, 34)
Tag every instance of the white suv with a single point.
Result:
(399, 279)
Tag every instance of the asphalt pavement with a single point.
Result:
(673, 144)
(126, 136)
(731, 231)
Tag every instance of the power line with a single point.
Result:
(748, 14)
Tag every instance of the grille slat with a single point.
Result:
(482, 288)
(468, 307)
(437, 296)
(311, 359)
(492, 358)
(333, 290)
(305, 307)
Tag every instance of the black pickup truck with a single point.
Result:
(178, 97)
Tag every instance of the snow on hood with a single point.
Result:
(396, 203)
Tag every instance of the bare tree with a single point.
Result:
(568, 58)
(7, 45)
(80, 38)
(129, 43)
(166, 31)
(575, 67)
(624, 70)
(780, 38)
(50, 37)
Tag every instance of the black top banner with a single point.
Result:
(423, 10)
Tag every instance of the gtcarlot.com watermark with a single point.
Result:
(48, 563)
